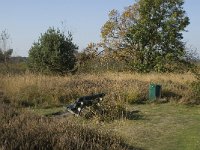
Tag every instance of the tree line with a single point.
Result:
(147, 36)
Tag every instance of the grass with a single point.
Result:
(20, 129)
(163, 126)
(160, 126)
(148, 126)
(29, 90)
(46, 111)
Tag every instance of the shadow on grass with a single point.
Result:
(129, 115)
(170, 95)
(55, 114)
(128, 147)
(134, 115)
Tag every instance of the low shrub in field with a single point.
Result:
(195, 98)
(22, 130)
(106, 112)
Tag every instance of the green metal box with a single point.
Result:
(154, 91)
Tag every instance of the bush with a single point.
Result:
(195, 99)
(53, 53)
(105, 113)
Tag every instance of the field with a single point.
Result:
(129, 120)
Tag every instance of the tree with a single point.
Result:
(114, 32)
(53, 53)
(152, 34)
(88, 58)
(5, 51)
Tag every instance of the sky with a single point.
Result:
(25, 20)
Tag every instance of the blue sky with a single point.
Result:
(25, 20)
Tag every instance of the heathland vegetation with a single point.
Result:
(142, 45)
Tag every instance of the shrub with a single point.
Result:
(195, 99)
(53, 53)
(106, 112)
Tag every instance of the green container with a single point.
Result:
(154, 91)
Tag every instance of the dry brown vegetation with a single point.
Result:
(23, 130)
(46, 91)
(20, 129)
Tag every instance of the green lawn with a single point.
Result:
(160, 126)
(163, 126)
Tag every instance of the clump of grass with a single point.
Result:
(135, 97)
(106, 113)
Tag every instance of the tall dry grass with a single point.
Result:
(120, 88)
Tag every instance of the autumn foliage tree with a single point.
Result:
(147, 35)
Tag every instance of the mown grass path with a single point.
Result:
(163, 127)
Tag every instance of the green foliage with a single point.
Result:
(53, 53)
(158, 33)
(147, 35)
(195, 92)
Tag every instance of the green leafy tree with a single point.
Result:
(53, 53)
(152, 35)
